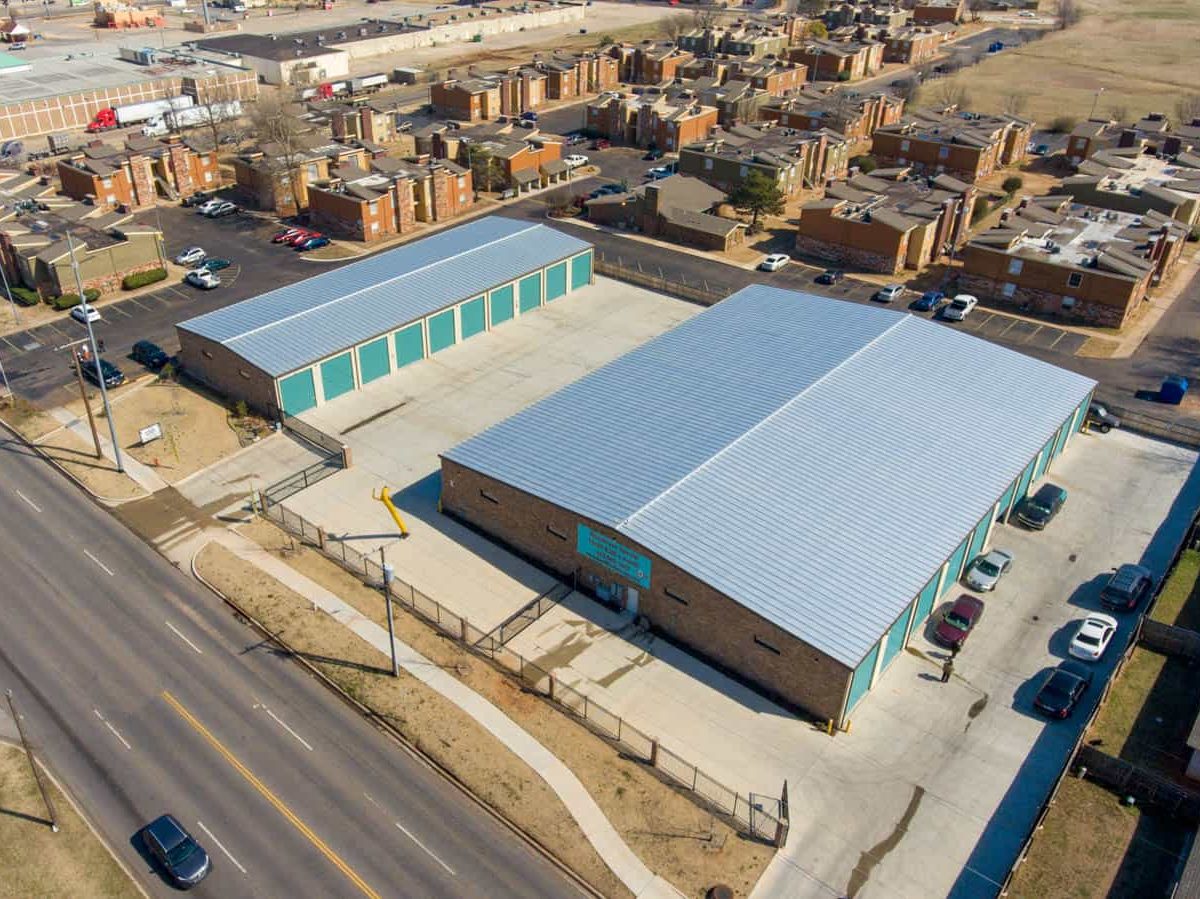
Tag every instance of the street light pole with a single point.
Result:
(389, 574)
(8, 290)
(1095, 100)
(112, 427)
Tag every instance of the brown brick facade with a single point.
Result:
(677, 605)
(226, 372)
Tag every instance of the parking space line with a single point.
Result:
(15, 348)
(1061, 335)
(1011, 324)
(120, 310)
(1032, 334)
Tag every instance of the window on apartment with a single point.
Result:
(675, 596)
(489, 497)
(904, 145)
(943, 152)
(708, 164)
(1068, 303)
(206, 354)
(765, 645)
(208, 177)
(743, 170)
(1008, 289)
(1074, 279)
(107, 182)
(1015, 266)
(373, 206)
(245, 374)
(557, 533)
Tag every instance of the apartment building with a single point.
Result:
(856, 118)
(794, 160)
(678, 209)
(133, 176)
(911, 46)
(467, 100)
(838, 60)
(886, 222)
(967, 145)
(1070, 262)
(580, 75)
(934, 12)
(651, 121)
(375, 122)
(1129, 180)
(270, 178)
(650, 62)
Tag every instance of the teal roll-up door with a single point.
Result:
(895, 635)
(954, 569)
(925, 601)
(472, 318)
(1006, 501)
(581, 270)
(1023, 484)
(298, 392)
(441, 331)
(1044, 459)
(410, 345)
(978, 536)
(1063, 433)
(556, 281)
(501, 305)
(373, 360)
(531, 293)
(861, 682)
(337, 376)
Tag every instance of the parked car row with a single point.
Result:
(300, 239)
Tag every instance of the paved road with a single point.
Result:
(146, 696)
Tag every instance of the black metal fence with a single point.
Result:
(316, 437)
(1183, 431)
(306, 477)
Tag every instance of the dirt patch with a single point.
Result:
(1090, 847)
(27, 419)
(335, 251)
(36, 862)
(674, 837)
(431, 722)
(78, 456)
(1098, 348)
(197, 428)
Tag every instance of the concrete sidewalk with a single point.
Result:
(596, 827)
(145, 477)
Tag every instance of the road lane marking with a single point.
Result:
(116, 733)
(270, 797)
(279, 721)
(103, 567)
(180, 635)
(221, 846)
(31, 503)
(409, 834)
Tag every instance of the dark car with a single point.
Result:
(200, 196)
(653, 154)
(113, 377)
(929, 301)
(1062, 689)
(215, 265)
(150, 354)
(317, 240)
(1039, 510)
(1126, 587)
(956, 624)
(1100, 418)
(184, 860)
(830, 276)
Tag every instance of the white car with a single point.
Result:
(985, 572)
(959, 307)
(889, 294)
(575, 160)
(208, 205)
(1093, 637)
(85, 313)
(1027, 14)
(191, 256)
(202, 278)
(774, 262)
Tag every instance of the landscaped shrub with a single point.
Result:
(1012, 184)
(1061, 124)
(843, 76)
(866, 164)
(71, 300)
(25, 296)
(141, 279)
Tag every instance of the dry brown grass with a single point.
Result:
(671, 834)
(36, 862)
(431, 722)
(78, 456)
(1142, 54)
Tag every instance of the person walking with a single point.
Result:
(947, 670)
(954, 651)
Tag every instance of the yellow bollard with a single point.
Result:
(386, 498)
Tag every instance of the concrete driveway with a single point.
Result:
(935, 786)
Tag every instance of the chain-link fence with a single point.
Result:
(701, 291)
(751, 813)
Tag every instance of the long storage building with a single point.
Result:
(294, 348)
(786, 484)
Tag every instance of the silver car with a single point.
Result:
(986, 570)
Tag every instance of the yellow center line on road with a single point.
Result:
(269, 796)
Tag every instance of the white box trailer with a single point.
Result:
(364, 83)
(133, 113)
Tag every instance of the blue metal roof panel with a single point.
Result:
(294, 326)
(818, 512)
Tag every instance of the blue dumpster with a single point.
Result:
(1173, 390)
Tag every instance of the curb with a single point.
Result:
(109, 502)
(82, 816)
(389, 730)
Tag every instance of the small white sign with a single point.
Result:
(153, 432)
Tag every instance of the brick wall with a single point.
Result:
(967, 163)
(677, 604)
(78, 184)
(1046, 303)
(851, 257)
(865, 246)
(141, 177)
(226, 372)
(404, 205)
(181, 169)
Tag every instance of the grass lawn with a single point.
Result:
(1149, 713)
(1179, 601)
(36, 862)
(1091, 847)
(1142, 54)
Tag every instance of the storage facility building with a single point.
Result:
(297, 347)
(786, 484)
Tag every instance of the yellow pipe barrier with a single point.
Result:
(386, 498)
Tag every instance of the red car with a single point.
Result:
(301, 238)
(958, 622)
(286, 235)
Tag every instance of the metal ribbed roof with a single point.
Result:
(815, 460)
(297, 325)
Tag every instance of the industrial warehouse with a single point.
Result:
(295, 348)
(775, 484)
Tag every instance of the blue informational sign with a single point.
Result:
(632, 566)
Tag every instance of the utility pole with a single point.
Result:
(86, 402)
(112, 427)
(11, 302)
(37, 774)
(389, 575)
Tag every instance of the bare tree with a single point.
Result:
(952, 92)
(673, 27)
(807, 7)
(486, 170)
(1066, 14)
(1187, 108)
(217, 109)
(1118, 112)
(705, 17)
(907, 89)
(277, 123)
(975, 8)
(1016, 101)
